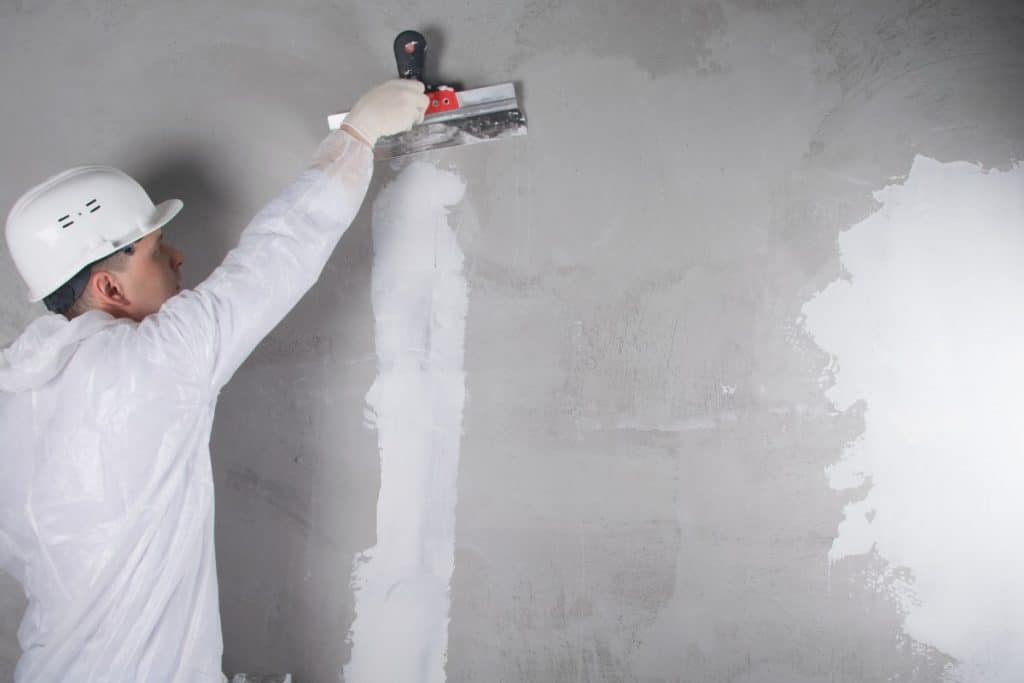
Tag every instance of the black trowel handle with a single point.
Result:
(410, 54)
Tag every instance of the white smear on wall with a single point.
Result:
(400, 632)
(928, 331)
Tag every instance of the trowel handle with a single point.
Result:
(410, 53)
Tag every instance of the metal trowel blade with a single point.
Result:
(455, 118)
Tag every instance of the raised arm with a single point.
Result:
(284, 249)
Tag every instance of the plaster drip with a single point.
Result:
(927, 330)
(420, 298)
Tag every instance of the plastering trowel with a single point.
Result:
(453, 117)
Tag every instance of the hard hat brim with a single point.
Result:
(161, 216)
(164, 212)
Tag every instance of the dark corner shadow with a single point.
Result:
(203, 229)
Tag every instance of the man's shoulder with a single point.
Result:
(51, 343)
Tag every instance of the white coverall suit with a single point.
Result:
(106, 493)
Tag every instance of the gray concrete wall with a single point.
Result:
(642, 489)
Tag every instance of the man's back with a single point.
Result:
(108, 505)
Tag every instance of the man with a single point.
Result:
(106, 493)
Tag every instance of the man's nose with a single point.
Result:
(177, 258)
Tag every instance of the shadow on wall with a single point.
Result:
(432, 72)
(201, 230)
(296, 470)
(12, 606)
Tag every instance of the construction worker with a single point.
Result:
(106, 404)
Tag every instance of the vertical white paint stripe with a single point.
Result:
(928, 330)
(419, 294)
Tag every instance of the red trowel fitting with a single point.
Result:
(453, 117)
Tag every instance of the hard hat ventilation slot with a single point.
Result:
(93, 209)
(65, 221)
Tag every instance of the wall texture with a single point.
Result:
(642, 490)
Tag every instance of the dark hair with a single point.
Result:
(67, 295)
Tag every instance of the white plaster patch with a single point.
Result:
(419, 292)
(928, 330)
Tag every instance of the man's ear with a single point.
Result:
(108, 290)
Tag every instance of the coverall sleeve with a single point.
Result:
(280, 255)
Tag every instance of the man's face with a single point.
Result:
(152, 277)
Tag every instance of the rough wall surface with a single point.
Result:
(642, 491)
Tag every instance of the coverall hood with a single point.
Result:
(45, 347)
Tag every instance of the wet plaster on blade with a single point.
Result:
(926, 333)
(420, 298)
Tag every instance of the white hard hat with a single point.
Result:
(75, 218)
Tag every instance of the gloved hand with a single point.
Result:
(391, 107)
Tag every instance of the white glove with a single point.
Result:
(391, 107)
